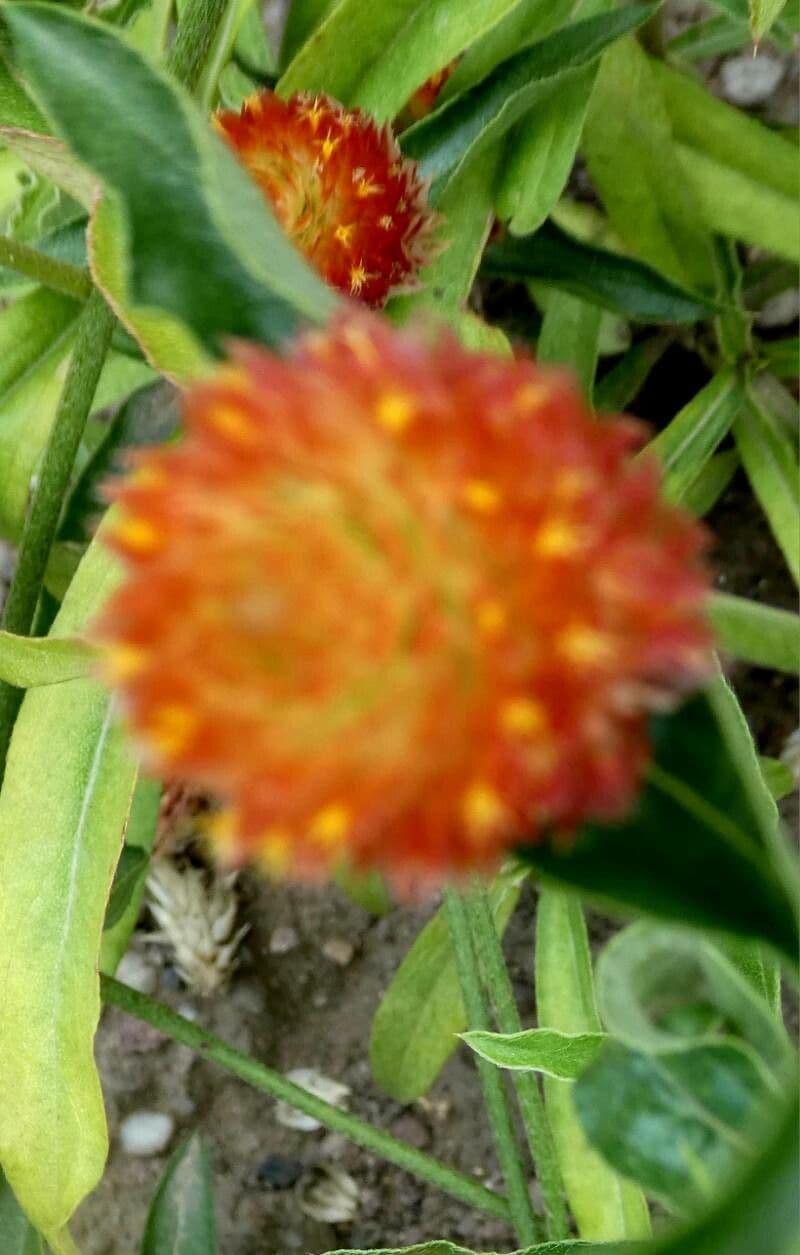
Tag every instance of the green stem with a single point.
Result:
(498, 985)
(93, 336)
(58, 275)
(197, 30)
(167, 1021)
(492, 1083)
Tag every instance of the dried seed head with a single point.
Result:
(333, 1092)
(196, 915)
(330, 1195)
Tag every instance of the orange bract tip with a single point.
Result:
(340, 188)
(391, 617)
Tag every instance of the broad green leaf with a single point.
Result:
(762, 635)
(52, 159)
(676, 1121)
(26, 662)
(545, 1050)
(604, 1205)
(686, 444)
(709, 484)
(660, 986)
(541, 153)
(416, 1026)
(735, 205)
(611, 280)
(527, 21)
(224, 267)
(442, 142)
(140, 835)
(730, 136)
(570, 335)
(59, 844)
(696, 845)
(771, 466)
(16, 107)
(181, 1219)
(303, 18)
(376, 55)
(17, 1235)
(778, 777)
(627, 142)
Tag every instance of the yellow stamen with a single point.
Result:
(344, 234)
(558, 538)
(531, 395)
(386, 221)
(358, 277)
(585, 645)
(138, 534)
(482, 496)
(330, 826)
(233, 423)
(491, 617)
(394, 411)
(482, 810)
(366, 186)
(171, 726)
(522, 716)
(572, 483)
(329, 146)
(122, 662)
(275, 851)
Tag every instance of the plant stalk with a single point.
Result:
(61, 276)
(194, 40)
(497, 983)
(167, 1021)
(91, 345)
(492, 1082)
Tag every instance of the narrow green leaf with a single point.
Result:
(570, 336)
(140, 835)
(771, 466)
(737, 206)
(442, 142)
(713, 37)
(716, 872)
(181, 1219)
(26, 662)
(617, 389)
(782, 357)
(676, 1121)
(52, 159)
(529, 20)
(762, 635)
(611, 280)
(545, 1050)
(132, 862)
(706, 488)
(628, 145)
(54, 885)
(302, 20)
(17, 1235)
(686, 444)
(367, 889)
(778, 777)
(604, 1205)
(224, 267)
(416, 1027)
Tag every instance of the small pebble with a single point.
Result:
(146, 1133)
(409, 1128)
(315, 1083)
(278, 1172)
(339, 951)
(188, 1011)
(283, 939)
(134, 970)
(749, 80)
(780, 310)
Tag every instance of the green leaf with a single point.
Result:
(416, 1027)
(693, 847)
(54, 885)
(660, 986)
(26, 662)
(708, 485)
(762, 635)
(302, 20)
(730, 136)
(17, 110)
(604, 1205)
(570, 335)
(778, 778)
(737, 206)
(771, 466)
(442, 142)
(377, 55)
(675, 1121)
(782, 356)
(52, 159)
(625, 380)
(686, 444)
(627, 142)
(17, 1235)
(546, 1050)
(527, 21)
(714, 37)
(181, 1219)
(367, 889)
(140, 835)
(611, 280)
(224, 267)
(133, 862)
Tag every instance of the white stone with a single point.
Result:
(780, 310)
(146, 1133)
(283, 940)
(750, 80)
(339, 951)
(134, 970)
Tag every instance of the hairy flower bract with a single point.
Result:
(340, 188)
(400, 603)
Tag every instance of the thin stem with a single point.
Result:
(61, 276)
(94, 334)
(167, 1021)
(197, 30)
(492, 1083)
(498, 984)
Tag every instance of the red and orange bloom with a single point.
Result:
(401, 603)
(340, 188)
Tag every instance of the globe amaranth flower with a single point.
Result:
(400, 603)
(340, 188)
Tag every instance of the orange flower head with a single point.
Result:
(400, 604)
(340, 188)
